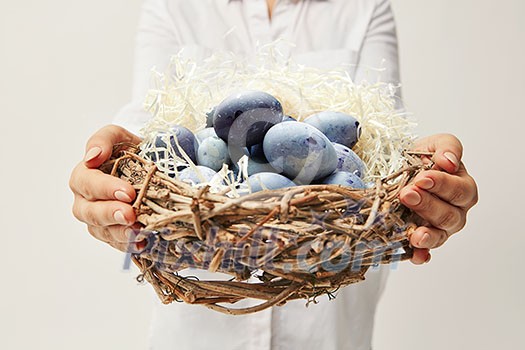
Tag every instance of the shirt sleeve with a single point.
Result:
(156, 42)
(378, 59)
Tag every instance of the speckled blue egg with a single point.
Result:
(299, 151)
(185, 138)
(203, 134)
(243, 118)
(348, 160)
(270, 181)
(287, 118)
(256, 163)
(236, 153)
(204, 173)
(344, 178)
(257, 151)
(256, 166)
(213, 153)
(338, 127)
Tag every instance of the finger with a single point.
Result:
(428, 237)
(118, 236)
(438, 213)
(93, 185)
(459, 190)
(103, 213)
(420, 256)
(100, 146)
(447, 150)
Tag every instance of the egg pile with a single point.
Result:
(277, 150)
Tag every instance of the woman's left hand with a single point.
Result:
(441, 196)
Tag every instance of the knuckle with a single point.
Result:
(454, 139)
(475, 197)
(448, 219)
(93, 231)
(73, 180)
(426, 204)
(88, 193)
(123, 247)
(99, 233)
(442, 237)
(92, 218)
(461, 224)
(457, 195)
(76, 211)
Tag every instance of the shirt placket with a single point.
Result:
(259, 24)
(281, 19)
(264, 31)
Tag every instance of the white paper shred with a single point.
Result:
(187, 91)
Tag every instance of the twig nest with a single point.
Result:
(300, 242)
(276, 243)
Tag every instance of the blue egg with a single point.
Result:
(256, 166)
(203, 134)
(213, 153)
(257, 151)
(287, 118)
(236, 153)
(270, 181)
(243, 118)
(256, 163)
(187, 142)
(338, 127)
(370, 184)
(300, 152)
(349, 161)
(204, 174)
(344, 178)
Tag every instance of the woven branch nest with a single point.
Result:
(294, 243)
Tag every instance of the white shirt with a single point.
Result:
(326, 33)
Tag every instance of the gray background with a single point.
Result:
(65, 69)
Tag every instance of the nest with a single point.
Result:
(277, 245)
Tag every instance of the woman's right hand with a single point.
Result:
(103, 201)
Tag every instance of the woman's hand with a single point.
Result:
(103, 201)
(441, 196)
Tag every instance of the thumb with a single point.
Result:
(100, 146)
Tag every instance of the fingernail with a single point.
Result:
(452, 158)
(119, 218)
(122, 196)
(92, 154)
(423, 240)
(425, 183)
(412, 198)
(130, 234)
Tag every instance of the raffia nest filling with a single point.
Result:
(279, 245)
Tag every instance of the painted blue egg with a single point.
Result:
(344, 178)
(338, 127)
(243, 118)
(270, 181)
(185, 138)
(348, 160)
(202, 174)
(300, 152)
(213, 153)
(203, 134)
